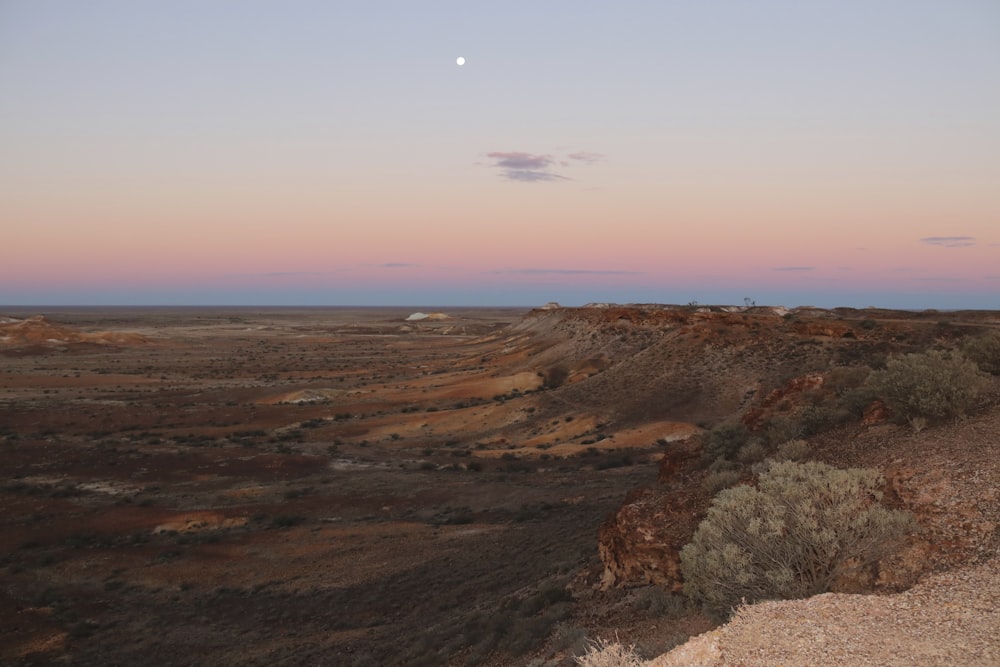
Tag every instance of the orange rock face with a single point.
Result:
(782, 400)
(641, 543)
(876, 413)
(830, 329)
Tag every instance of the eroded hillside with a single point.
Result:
(287, 485)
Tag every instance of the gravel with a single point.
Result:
(949, 619)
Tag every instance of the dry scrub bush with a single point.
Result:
(803, 526)
(752, 452)
(844, 378)
(720, 479)
(849, 385)
(555, 376)
(935, 385)
(793, 450)
(985, 351)
(724, 441)
(609, 654)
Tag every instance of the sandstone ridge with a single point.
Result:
(41, 333)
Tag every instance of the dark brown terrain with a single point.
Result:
(347, 487)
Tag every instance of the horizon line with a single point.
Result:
(482, 307)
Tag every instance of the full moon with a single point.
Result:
(460, 61)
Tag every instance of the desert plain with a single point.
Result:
(460, 486)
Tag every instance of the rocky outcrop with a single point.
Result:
(701, 366)
(783, 399)
(827, 328)
(876, 413)
(418, 316)
(39, 331)
(641, 542)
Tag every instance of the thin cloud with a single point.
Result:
(567, 272)
(538, 167)
(793, 268)
(529, 176)
(584, 156)
(941, 279)
(950, 241)
(525, 167)
(275, 274)
(393, 265)
(520, 161)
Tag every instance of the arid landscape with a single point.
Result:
(379, 486)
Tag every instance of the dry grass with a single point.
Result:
(601, 653)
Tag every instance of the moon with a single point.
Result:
(460, 61)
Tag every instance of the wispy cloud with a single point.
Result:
(538, 167)
(525, 167)
(517, 160)
(793, 268)
(531, 176)
(950, 241)
(393, 265)
(940, 279)
(567, 272)
(275, 274)
(585, 156)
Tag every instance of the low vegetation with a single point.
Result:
(718, 480)
(935, 385)
(724, 441)
(793, 535)
(609, 654)
(985, 351)
(793, 450)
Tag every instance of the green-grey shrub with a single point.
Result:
(985, 351)
(857, 399)
(724, 441)
(785, 427)
(752, 452)
(936, 385)
(793, 450)
(841, 378)
(721, 479)
(819, 418)
(793, 535)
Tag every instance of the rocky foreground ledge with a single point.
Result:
(949, 619)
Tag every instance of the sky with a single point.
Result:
(241, 152)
